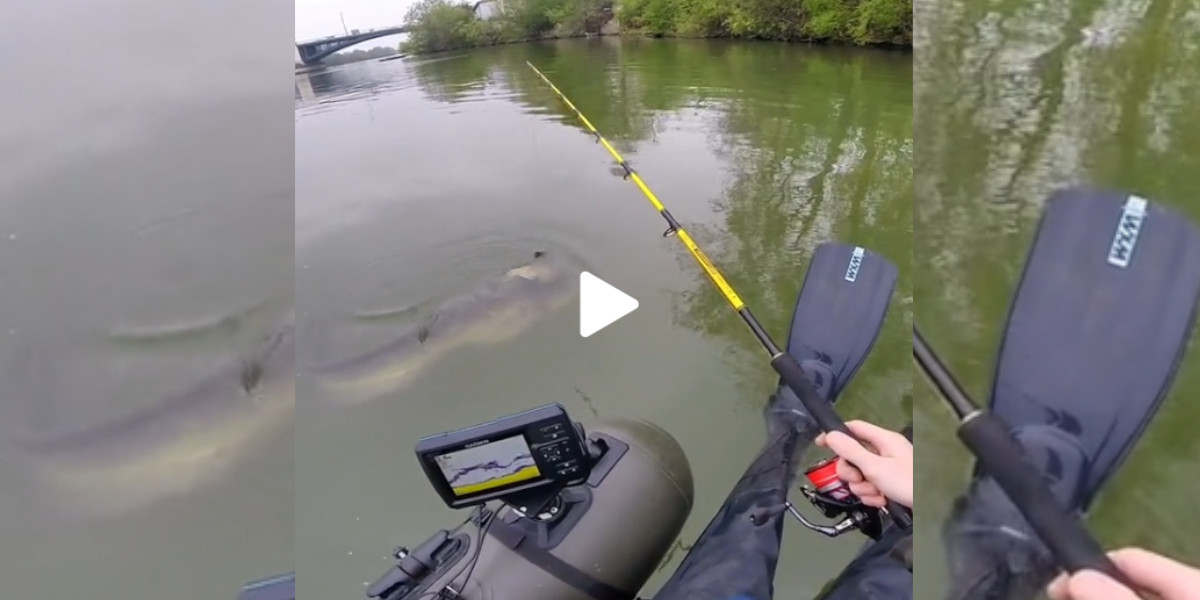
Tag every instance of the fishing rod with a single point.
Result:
(1000, 455)
(821, 411)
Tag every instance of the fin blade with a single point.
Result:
(1100, 321)
(1097, 327)
(841, 308)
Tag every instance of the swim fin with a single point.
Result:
(1099, 322)
(838, 315)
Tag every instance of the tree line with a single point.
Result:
(437, 25)
(341, 58)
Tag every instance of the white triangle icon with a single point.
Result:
(601, 304)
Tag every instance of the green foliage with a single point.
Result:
(436, 25)
(578, 17)
(655, 17)
(704, 18)
(528, 19)
(884, 21)
(854, 21)
(444, 25)
(830, 19)
(768, 19)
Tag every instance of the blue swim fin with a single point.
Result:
(1098, 325)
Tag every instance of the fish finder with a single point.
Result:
(530, 454)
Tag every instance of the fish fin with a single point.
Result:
(254, 365)
(251, 373)
(426, 329)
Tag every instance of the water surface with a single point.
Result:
(145, 187)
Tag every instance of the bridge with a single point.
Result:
(311, 52)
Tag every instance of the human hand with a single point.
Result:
(874, 478)
(1154, 573)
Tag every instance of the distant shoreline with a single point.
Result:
(884, 46)
(442, 25)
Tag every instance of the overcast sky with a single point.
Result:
(319, 18)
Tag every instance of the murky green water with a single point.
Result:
(145, 194)
(1015, 99)
(416, 179)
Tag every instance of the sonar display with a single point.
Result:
(493, 465)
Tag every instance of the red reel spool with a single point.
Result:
(823, 477)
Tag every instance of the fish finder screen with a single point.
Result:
(492, 466)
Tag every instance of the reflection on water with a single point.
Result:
(1015, 99)
(419, 179)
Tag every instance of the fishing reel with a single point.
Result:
(833, 498)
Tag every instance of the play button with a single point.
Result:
(601, 304)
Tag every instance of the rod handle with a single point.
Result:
(1003, 458)
(827, 419)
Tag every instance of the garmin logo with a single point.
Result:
(1125, 239)
(476, 444)
(856, 259)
